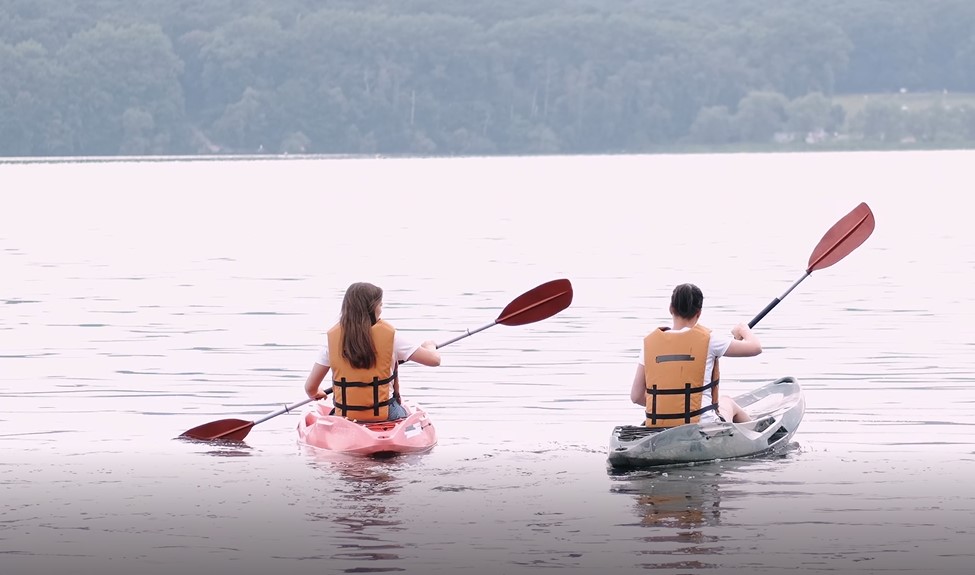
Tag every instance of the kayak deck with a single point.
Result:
(776, 410)
(413, 434)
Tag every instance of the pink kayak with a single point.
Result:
(412, 434)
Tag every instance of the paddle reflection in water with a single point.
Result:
(225, 449)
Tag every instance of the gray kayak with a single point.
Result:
(776, 410)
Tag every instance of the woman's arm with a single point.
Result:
(638, 392)
(314, 381)
(426, 354)
(745, 343)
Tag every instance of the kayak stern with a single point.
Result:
(776, 409)
(413, 434)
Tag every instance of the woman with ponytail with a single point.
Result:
(676, 379)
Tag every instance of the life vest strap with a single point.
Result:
(375, 384)
(687, 391)
(681, 391)
(685, 416)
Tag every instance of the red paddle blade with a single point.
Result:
(226, 429)
(845, 236)
(537, 304)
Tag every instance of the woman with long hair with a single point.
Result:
(363, 353)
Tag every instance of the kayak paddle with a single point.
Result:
(237, 429)
(845, 236)
(534, 305)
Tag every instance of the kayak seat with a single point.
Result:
(631, 432)
(382, 425)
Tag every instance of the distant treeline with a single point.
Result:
(434, 77)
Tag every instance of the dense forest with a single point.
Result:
(425, 77)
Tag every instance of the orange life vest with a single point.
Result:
(363, 394)
(674, 364)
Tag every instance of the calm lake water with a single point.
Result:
(140, 299)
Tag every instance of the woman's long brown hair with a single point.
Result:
(358, 317)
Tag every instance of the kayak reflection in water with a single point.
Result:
(679, 384)
(680, 501)
(363, 353)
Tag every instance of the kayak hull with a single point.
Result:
(776, 409)
(412, 434)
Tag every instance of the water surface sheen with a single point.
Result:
(140, 299)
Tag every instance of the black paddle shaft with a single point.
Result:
(775, 302)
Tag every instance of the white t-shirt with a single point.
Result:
(403, 348)
(717, 347)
